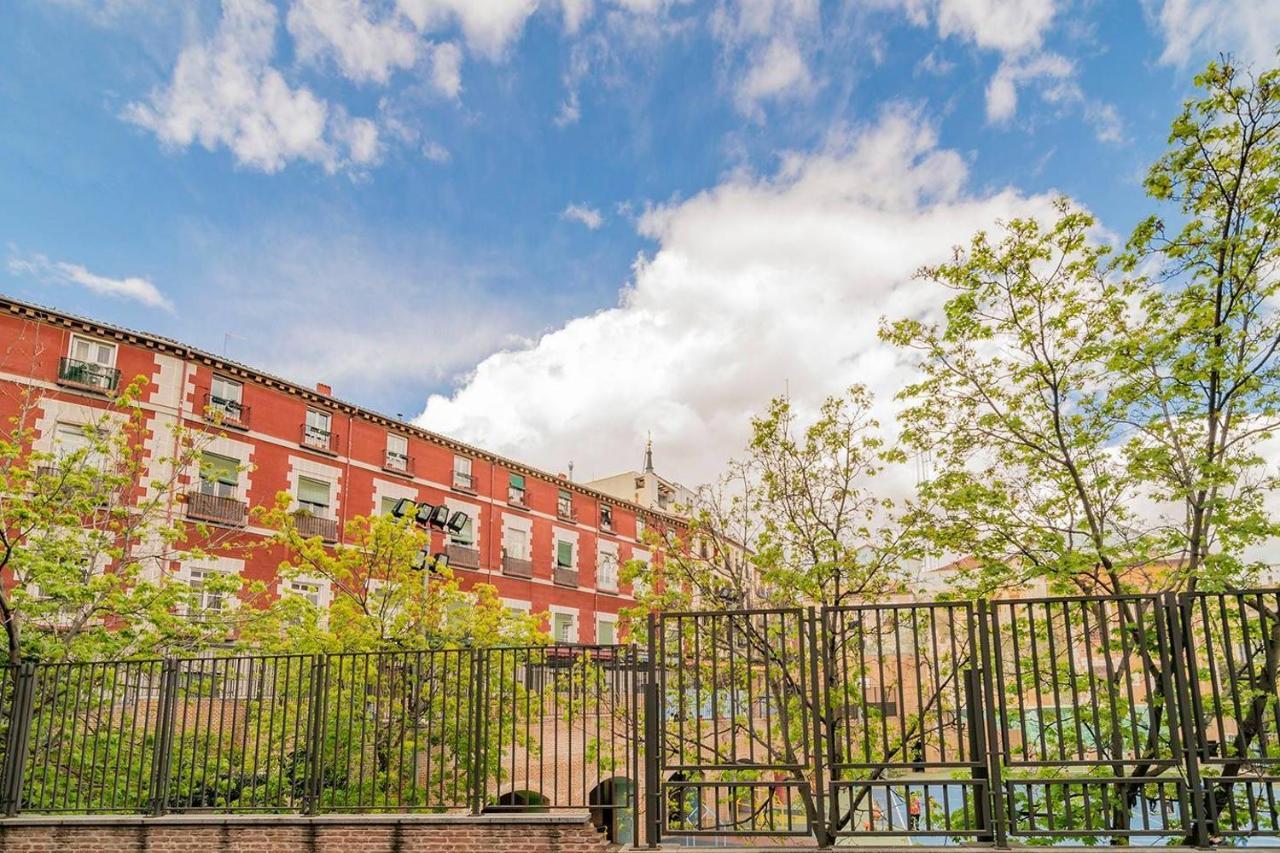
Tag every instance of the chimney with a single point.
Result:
(324, 389)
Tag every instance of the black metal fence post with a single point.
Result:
(652, 741)
(1185, 683)
(315, 734)
(162, 756)
(988, 652)
(476, 723)
(816, 702)
(15, 758)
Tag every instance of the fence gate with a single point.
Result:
(905, 732)
(1089, 722)
(736, 728)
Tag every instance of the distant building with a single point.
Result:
(646, 488)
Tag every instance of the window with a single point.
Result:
(607, 571)
(516, 542)
(462, 472)
(387, 505)
(316, 432)
(564, 504)
(69, 439)
(397, 452)
(606, 631)
(313, 496)
(306, 589)
(639, 527)
(91, 352)
(515, 489)
(563, 628)
(205, 600)
(564, 554)
(606, 517)
(218, 475)
(226, 396)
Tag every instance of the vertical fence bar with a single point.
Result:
(20, 714)
(816, 703)
(652, 740)
(1182, 662)
(988, 655)
(315, 733)
(476, 716)
(978, 751)
(162, 757)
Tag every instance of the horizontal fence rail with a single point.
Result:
(1132, 719)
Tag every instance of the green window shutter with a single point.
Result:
(517, 481)
(313, 491)
(219, 469)
(564, 553)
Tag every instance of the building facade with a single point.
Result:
(548, 545)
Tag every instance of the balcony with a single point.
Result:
(88, 376)
(517, 568)
(230, 413)
(564, 576)
(323, 440)
(398, 463)
(566, 513)
(220, 510)
(464, 482)
(463, 556)
(315, 525)
(516, 498)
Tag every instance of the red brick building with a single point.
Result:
(547, 544)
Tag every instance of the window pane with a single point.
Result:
(221, 469)
(387, 505)
(397, 444)
(564, 553)
(605, 634)
(313, 491)
(225, 390)
(318, 420)
(462, 464)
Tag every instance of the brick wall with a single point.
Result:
(564, 832)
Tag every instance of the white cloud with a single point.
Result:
(757, 284)
(1248, 28)
(585, 214)
(1002, 91)
(766, 42)
(436, 153)
(1009, 26)
(446, 69)
(225, 93)
(779, 70)
(366, 50)
(490, 26)
(60, 272)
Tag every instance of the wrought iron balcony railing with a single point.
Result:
(206, 507)
(316, 525)
(89, 376)
(398, 463)
(319, 439)
(517, 568)
(463, 556)
(228, 412)
(565, 576)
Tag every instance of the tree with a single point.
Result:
(1202, 378)
(1013, 409)
(89, 526)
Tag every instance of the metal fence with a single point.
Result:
(1137, 719)
(428, 731)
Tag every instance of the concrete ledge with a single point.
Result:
(565, 816)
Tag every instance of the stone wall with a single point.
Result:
(557, 832)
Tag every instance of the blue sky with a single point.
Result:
(555, 228)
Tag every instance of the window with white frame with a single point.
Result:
(227, 396)
(606, 630)
(639, 527)
(205, 600)
(92, 352)
(607, 571)
(219, 475)
(314, 496)
(462, 472)
(564, 627)
(75, 440)
(515, 489)
(310, 590)
(397, 452)
(606, 517)
(515, 542)
(316, 432)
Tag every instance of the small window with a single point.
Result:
(219, 475)
(563, 630)
(607, 572)
(516, 543)
(564, 504)
(515, 489)
(313, 496)
(69, 439)
(316, 431)
(639, 527)
(206, 601)
(397, 452)
(462, 472)
(387, 505)
(226, 396)
(90, 351)
(606, 516)
(564, 554)
(306, 589)
(606, 632)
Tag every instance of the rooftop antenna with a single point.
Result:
(570, 470)
(648, 454)
(226, 341)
